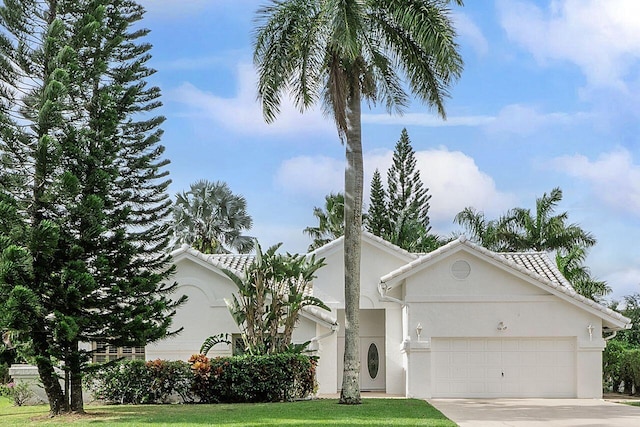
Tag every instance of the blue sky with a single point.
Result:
(548, 98)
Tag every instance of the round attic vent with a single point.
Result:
(460, 269)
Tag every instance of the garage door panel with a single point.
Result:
(492, 345)
(565, 359)
(510, 345)
(477, 345)
(504, 367)
(460, 358)
(477, 358)
(511, 358)
(460, 345)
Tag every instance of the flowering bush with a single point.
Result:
(19, 392)
(249, 378)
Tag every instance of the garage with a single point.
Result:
(503, 367)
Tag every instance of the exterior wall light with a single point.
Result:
(590, 329)
(419, 330)
(502, 326)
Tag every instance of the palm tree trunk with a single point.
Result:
(353, 179)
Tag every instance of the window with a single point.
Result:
(237, 343)
(103, 352)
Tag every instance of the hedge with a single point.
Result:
(271, 378)
(137, 381)
(248, 378)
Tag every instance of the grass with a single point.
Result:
(372, 412)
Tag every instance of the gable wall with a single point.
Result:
(473, 307)
(205, 314)
(374, 263)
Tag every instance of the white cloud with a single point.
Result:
(521, 119)
(613, 177)
(453, 178)
(624, 281)
(602, 37)
(514, 119)
(469, 31)
(243, 113)
(425, 119)
(313, 177)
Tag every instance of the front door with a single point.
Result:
(372, 350)
(372, 363)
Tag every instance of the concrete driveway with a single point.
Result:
(538, 412)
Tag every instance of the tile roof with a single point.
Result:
(536, 265)
(234, 262)
(539, 263)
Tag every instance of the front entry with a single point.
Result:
(372, 350)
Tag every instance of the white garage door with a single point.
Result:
(503, 367)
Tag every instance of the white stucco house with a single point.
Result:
(461, 321)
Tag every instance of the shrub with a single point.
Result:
(137, 381)
(248, 378)
(170, 377)
(19, 392)
(630, 370)
(612, 357)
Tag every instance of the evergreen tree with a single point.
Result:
(34, 65)
(408, 199)
(377, 219)
(94, 263)
(401, 214)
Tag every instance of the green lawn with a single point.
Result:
(372, 412)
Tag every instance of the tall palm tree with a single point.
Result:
(544, 231)
(211, 218)
(571, 265)
(487, 233)
(330, 221)
(344, 52)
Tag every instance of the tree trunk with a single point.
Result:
(353, 179)
(75, 368)
(57, 403)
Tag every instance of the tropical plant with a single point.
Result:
(480, 230)
(544, 230)
(344, 52)
(521, 230)
(330, 221)
(571, 265)
(214, 340)
(271, 293)
(211, 218)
